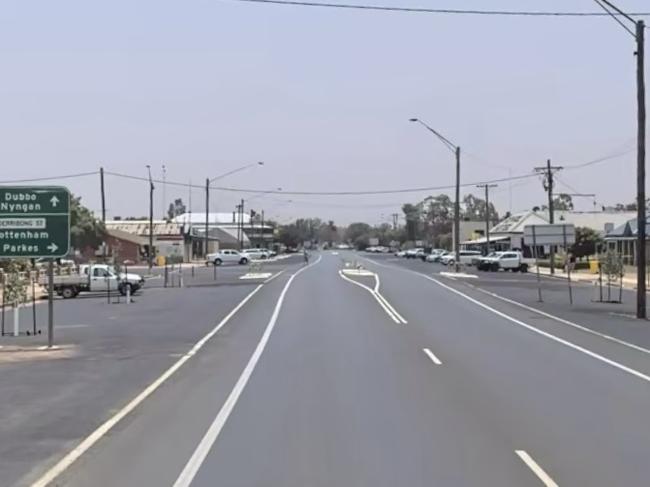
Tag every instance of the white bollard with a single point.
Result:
(128, 294)
(16, 321)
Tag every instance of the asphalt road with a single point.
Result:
(405, 380)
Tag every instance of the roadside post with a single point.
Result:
(4, 276)
(35, 223)
(551, 234)
(568, 264)
(128, 284)
(33, 304)
(539, 282)
(50, 303)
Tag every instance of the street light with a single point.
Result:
(455, 149)
(207, 196)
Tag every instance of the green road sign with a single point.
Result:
(34, 221)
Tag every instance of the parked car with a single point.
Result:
(507, 261)
(257, 254)
(414, 253)
(400, 253)
(435, 255)
(227, 256)
(466, 257)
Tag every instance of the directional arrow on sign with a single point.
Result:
(54, 200)
(52, 247)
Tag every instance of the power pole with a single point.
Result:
(457, 213)
(164, 192)
(395, 220)
(640, 174)
(151, 188)
(101, 183)
(241, 224)
(262, 231)
(487, 214)
(207, 213)
(548, 171)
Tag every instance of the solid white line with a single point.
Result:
(96, 435)
(433, 358)
(374, 295)
(202, 450)
(537, 470)
(566, 322)
(274, 276)
(390, 306)
(554, 338)
(559, 340)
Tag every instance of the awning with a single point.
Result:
(483, 240)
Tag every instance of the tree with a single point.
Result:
(587, 241)
(562, 202)
(86, 231)
(175, 209)
(474, 209)
(413, 214)
(358, 234)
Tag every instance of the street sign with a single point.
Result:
(556, 234)
(34, 221)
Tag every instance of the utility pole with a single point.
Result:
(164, 192)
(207, 212)
(640, 174)
(548, 171)
(395, 220)
(101, 185)
(457, 213)
(487, 214)
(151, 188)
(262, 231)
(241, 224)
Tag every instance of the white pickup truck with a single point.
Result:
(508, 261)
(95, 278)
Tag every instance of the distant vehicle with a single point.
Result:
(95, 278)
(343, 247)
(466, 257)
(257, 254)
(435, 255)
(507, 261)
(400, 253)
(227, 256)
(484, 263)
(378, 249)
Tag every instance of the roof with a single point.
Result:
(126, 236)
(627, 230)
(141, 227)
(225, 235)
(599, 221)
(483, 240)
(213, 218)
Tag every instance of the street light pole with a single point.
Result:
(456, 149)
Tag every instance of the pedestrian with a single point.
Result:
(305, 255)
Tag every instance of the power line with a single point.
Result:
(327, 193)
(615, 18)
(49, 178)
(509, 13)
(599, 160)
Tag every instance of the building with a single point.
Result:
(623, 240)
(123, 235)
(509, 233)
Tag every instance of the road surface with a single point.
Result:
(326, 377)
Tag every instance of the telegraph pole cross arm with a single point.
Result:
(34, 221)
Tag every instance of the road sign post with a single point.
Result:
(35, 223)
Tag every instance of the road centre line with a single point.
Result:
(537, 470)
(103, 429)
(550, 336)
(431, 355)
(563, 321)
(196, 460)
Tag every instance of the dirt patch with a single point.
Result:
(13, 354)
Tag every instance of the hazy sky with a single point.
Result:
(322, 96)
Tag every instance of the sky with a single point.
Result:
(322, 96)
